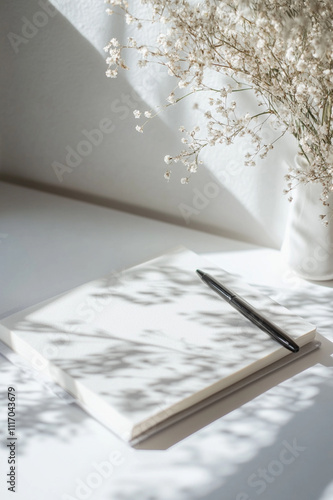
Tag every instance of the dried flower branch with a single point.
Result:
(280, 49)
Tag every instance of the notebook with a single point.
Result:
(151, 344)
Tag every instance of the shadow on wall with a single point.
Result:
(71, 130)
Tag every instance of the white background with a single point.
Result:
(54, 87)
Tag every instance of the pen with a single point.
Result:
(249, 312)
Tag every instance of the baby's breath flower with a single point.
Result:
(171, 98)
(129, 19)
(143, 51)
(279, 51)
(111, 73)
(136, 113)
(168, 159)
(182, 84)
(142, 63)
(139, 129)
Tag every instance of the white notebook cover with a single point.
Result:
(150, 342)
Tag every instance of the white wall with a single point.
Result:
(54, 89)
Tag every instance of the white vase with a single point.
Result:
(308, 243)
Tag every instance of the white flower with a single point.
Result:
(301, 88)
(142, 63)
(261, 43)
(179, 44)
(111, 73)
(301, 65)
(137, 113)
(168, 159)
(143, 51)
(171, 98)
(139, 129)
(284, 60)
(161, 39)
(129, 19)
(290, 54)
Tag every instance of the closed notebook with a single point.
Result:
(151, 343)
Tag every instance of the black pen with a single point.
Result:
(249, 312)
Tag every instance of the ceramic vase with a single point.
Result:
(308, 243)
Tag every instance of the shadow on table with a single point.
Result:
(175, 433)
(313, 304)
(45, 418)
(42, 408)
(297, 464)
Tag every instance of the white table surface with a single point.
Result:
(276, 443)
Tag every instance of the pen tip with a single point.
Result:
(200, 273)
